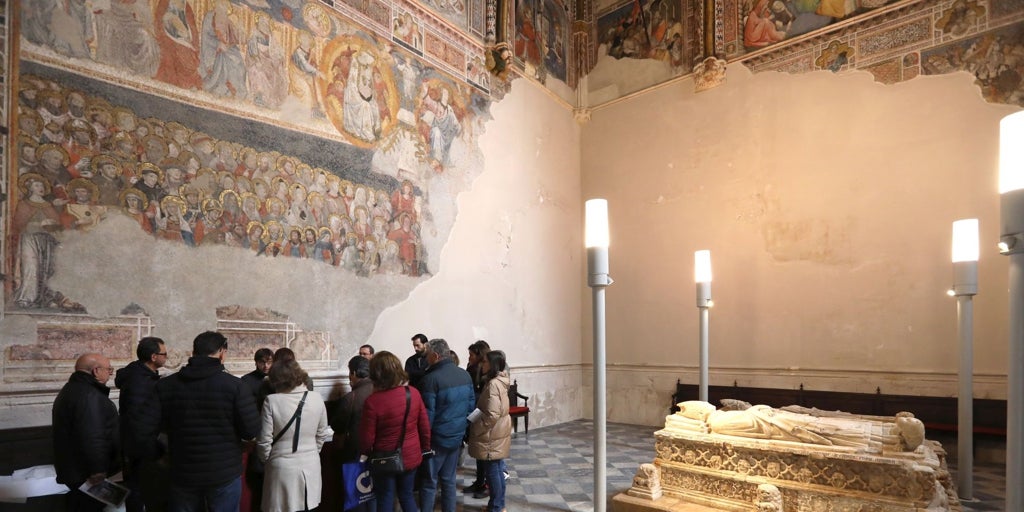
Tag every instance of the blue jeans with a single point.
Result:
(210, 499)
(493, 472)
(440, 468)
(384, 489)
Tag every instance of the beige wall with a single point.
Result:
(511, 271)
(827, 203)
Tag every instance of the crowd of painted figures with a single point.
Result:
(81, 159)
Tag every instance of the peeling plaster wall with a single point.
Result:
(827, 203)
(509, 272)
(512, 268)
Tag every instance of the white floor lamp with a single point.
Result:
(597, 241)
(965, 286)
(1011, 243)
(702, 276)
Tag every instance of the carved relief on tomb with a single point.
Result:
(805, 468)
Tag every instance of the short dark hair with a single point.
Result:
(421, 337)
(287, 375)
(284, 354)
(359, 366)
(496, 359)
(262, 354)
(147, 347)
(208, 343)
(369, 347)
(386, 371)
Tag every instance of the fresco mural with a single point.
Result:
(541, 37)
(88, 149)
(215, 49)
(456, 11)
(995, 58)
(644, 29)
(762, 23)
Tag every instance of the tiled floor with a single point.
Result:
(552, 469)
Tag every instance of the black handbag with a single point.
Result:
(390, 463)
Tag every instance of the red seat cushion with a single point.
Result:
(518, 410)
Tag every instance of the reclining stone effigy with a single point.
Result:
(795, 459)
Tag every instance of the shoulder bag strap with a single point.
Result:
(405, 418)
(297, 419)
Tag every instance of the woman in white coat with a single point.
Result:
(289, 443)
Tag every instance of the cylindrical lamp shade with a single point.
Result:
(965, 240)
(1011, 153)
(596, 234)
(702, 266)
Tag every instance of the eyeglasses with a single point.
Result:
(107, 368)
(160, 354)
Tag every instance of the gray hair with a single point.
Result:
(440, 347)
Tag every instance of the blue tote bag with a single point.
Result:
(358, 483)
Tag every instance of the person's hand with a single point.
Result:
(96, 478)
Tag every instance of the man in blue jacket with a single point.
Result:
(206, 412)
(447, 392)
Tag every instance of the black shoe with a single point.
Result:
(482, 493)
(474, 488)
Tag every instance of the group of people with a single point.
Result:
(205, 432)
(441, 408)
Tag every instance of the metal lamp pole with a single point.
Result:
(702, 276)
(965, 286)
(597, 241)
(1011, 243)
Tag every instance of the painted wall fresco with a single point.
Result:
(541, 37)
(644, 29)
(101, 131)
(995, 58)
(763, 23)
(986, 40)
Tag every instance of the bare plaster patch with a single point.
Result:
(181, 287)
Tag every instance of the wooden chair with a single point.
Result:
(515, 410)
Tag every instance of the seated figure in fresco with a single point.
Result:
(904, 433)
(759, 29)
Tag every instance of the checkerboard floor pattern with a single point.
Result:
(553, 469)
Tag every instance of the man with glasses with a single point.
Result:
(86, 438)
(207, 414)
(137, 383)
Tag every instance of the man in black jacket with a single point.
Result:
(345, 420)
(255, 381)
(416, 365)
(86, 438)
(137, 383)
(207, 413)
(264, 359)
